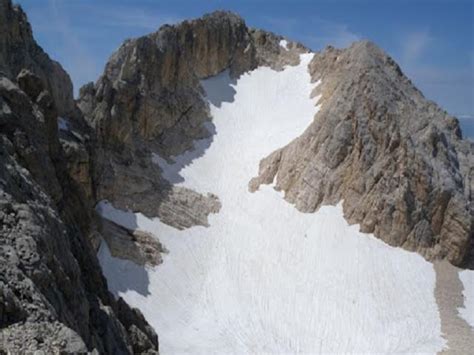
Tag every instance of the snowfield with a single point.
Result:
(264, 277)
(467, 312)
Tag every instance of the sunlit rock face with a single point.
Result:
(396, 160)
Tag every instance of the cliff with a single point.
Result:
(53, 296)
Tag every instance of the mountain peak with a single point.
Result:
(220, 15)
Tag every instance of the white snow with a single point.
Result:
(467, 312)
(264, 277)
(284, 44)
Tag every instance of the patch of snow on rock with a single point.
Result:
(264, 277)
(284, 44)
(467, 312)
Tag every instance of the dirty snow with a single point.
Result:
(467, 312)
(264, 277)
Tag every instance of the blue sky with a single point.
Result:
(432, 40)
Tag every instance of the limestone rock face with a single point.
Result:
(19, 50)
(149, 99)
(53, 297)
(397, 160)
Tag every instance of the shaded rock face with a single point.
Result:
(18, 50)
(150, 100)
(138, 246)
(53, 296)
(396, 159)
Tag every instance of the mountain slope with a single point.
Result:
(396, 160)
(18, 50)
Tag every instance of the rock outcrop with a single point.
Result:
(138, 246)
(149, 99)
(19, 50)
(397, 160)
(53, 296)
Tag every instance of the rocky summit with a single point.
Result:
(396, 161)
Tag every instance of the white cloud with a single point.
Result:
(79, 62)
(130, 16)
(415, 44)
(449, 86)
(323, 32)
(335, 34)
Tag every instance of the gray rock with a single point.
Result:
(134, 245)
(53, 297)
(19, 50)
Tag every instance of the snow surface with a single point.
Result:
(467, 312)
(264, 277)
(284, 44)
